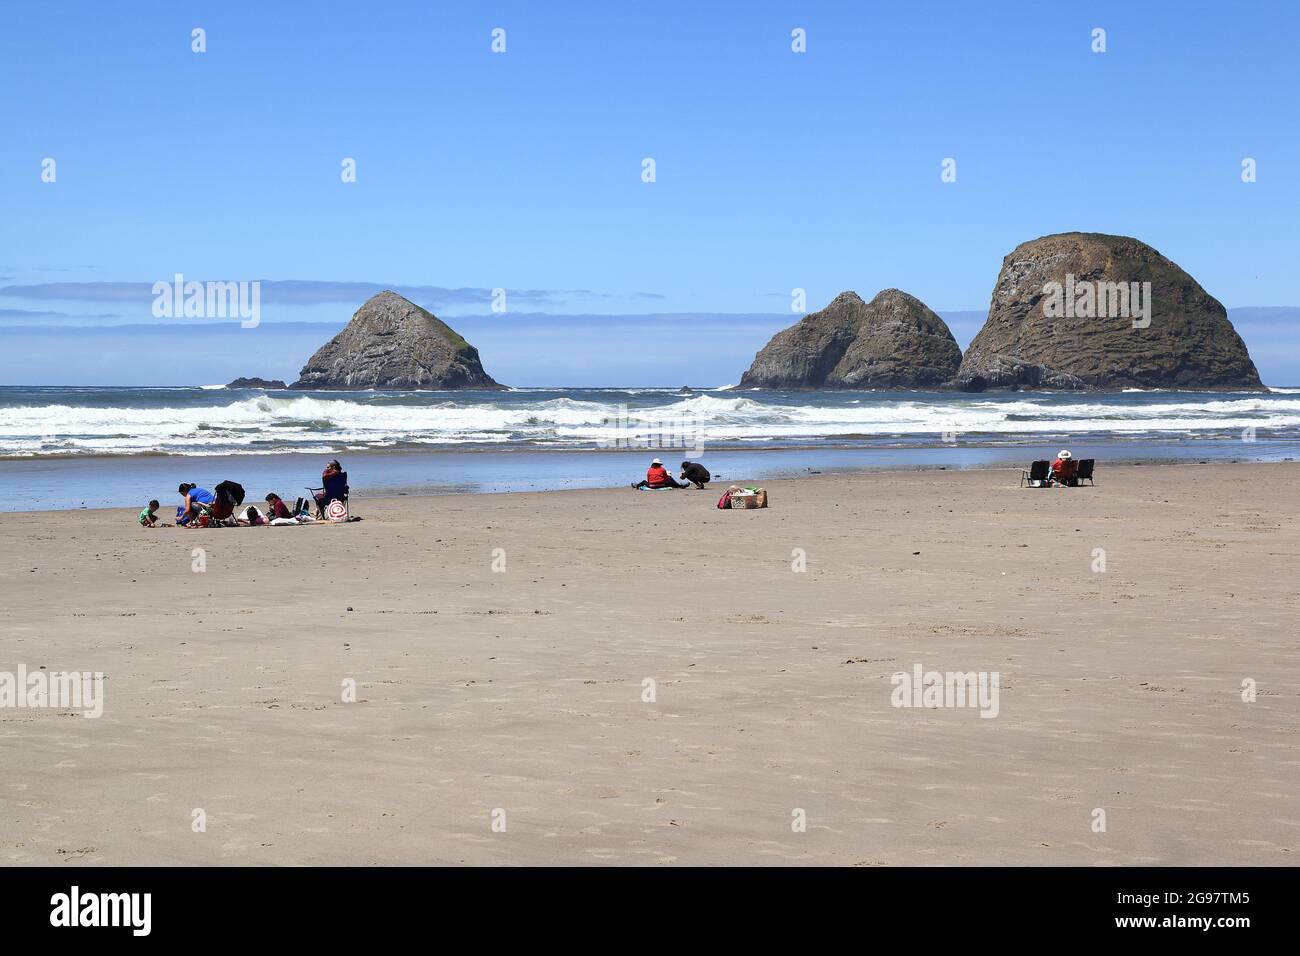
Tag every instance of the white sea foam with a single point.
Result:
(267, 423)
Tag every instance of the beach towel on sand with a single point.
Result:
(661, 488)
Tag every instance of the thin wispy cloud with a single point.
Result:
(309, 292)
(49, 314)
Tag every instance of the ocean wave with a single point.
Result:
(199, 421)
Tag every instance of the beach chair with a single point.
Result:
(336, 489)
(230, 491)
(1038, 472)
(1085, 471)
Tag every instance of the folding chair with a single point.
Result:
(1038, 472)
(336, 487)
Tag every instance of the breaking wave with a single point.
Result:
(50, 421)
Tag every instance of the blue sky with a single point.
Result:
(522, 170)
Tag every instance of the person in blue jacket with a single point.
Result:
(195, 498)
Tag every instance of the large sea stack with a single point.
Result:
(1075, 311)
(893, 341)
(392, 343)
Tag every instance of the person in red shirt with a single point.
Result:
(1065, 468)
(276, 506)
(657, 476)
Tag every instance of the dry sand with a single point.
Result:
(523, 690)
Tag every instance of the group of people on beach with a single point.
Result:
(222, 505)
(657, 476)
(217, 507)
(1064, 472)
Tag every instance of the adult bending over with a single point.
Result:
(195, 499)
(695, 473)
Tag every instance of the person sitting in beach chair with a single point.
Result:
(695, 473)
(1065, 470)
(335, 482)
(657, 476)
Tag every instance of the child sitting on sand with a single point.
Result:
(147, 517)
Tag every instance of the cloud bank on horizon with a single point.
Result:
(667, 349)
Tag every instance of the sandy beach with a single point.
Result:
(501, 647)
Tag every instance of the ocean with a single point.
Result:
(105, 447)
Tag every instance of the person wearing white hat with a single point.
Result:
(1064, 469)
(657, 476)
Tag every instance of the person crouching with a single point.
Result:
(695, 473)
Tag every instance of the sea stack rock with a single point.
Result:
(893, 341)
(1084, 310)
(255, 382)
(393, 343)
